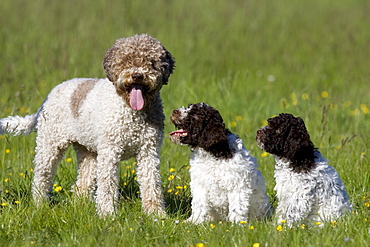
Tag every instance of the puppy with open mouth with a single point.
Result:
(225, 183)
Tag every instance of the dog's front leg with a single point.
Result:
(295, 209)
(149, 179)
(239, 204)
(107, 183)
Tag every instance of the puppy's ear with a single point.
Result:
(214, 138)
(298, 147)
(168, 66)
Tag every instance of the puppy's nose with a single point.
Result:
(137, 76)
(176, 113)
(259, 133)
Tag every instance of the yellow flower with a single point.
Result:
(171, 177)
(264, 154)
(251, 228)
(169, 191)
(333, 106)
(285, 103)
(233, 124)
(7, 151)
(69, 160)
(318, 223)
(294, 99)
(355, 112)
(305, 96)
(23, 109)
(242, 222)
(31, 170)
(367, 204)
(283, 221)
(172, 169)
(179, 187)
(4, 204)
(17, 202)
(279, 228)
(212, 226)
(132, 171)
(6, 191)
(6, 180)
(58, 189)
(185, 186)
(364, 108)
(199, 245)
(347, 103)
(334, 223)
(177, 192)
(324, 94)
(256, 245)
(303, 226)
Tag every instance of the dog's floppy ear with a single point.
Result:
(214, 137)
(298, 147)
(108, 61)
(168, 65)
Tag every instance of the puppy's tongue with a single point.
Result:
(136, 99)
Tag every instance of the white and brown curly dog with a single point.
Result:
(106, 121)
(308, 189)
(225, 183)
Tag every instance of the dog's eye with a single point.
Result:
(153, 64)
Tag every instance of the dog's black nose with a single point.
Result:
(137, 76)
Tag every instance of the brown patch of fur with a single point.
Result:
(79, 95)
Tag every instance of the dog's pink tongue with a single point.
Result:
(136, 99)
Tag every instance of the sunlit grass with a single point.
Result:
(249, 59)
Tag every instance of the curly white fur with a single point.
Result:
(106, 121)
(232, 189)
(316, 196)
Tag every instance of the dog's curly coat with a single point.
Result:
(308, 189)
(225, 183)
(106, 121)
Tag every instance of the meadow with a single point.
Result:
(250, 59)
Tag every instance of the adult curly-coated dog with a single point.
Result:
(225, 183)
(106, 121)
(308, 189)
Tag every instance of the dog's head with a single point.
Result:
(200, 125)
(138, 66)
(286, 137)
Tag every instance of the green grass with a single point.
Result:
(250, 59)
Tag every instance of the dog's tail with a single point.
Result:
(17, 125)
